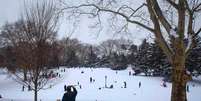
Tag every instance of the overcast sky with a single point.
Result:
(10, 11)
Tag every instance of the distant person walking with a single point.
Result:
(129, 73)
(80, 86)
(164, 84)
(29, 88)
(23, 88)
(70, 95)
(187, 88)
(91, 79)
(65, 88)
(124, 84)
(140, 84)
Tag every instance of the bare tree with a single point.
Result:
(113, 45)
(56, 54)
(70, 51)
(32, 39)
(170, 21)
(107, 47)
(14, 43)
(2, 59)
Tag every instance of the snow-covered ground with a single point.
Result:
(151, 89)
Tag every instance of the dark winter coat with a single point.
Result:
(69, 95)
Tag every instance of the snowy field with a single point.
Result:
(151, 89)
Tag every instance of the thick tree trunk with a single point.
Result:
(178, 85)
(179, 79)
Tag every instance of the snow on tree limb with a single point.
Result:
(174, 33)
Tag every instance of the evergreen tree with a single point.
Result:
(142, 56)
(132, 54)
(157, 61)
(193, 63)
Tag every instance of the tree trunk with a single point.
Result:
(35, 95)
(25, 75)
(178, 86)
(35, 90)
(179, 79)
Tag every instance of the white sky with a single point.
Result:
(10, 11)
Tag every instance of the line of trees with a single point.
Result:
(116, 54)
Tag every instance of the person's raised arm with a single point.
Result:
(74, 90)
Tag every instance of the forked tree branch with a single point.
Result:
(158, 34)
(173, 3)
(160, 16)
(127, 18)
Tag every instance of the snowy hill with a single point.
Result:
(151, 89)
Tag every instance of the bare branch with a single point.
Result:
(159, 38)
(127, 18)
(197, 33)
(160, 16)
(197, 8)
(173, 3)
